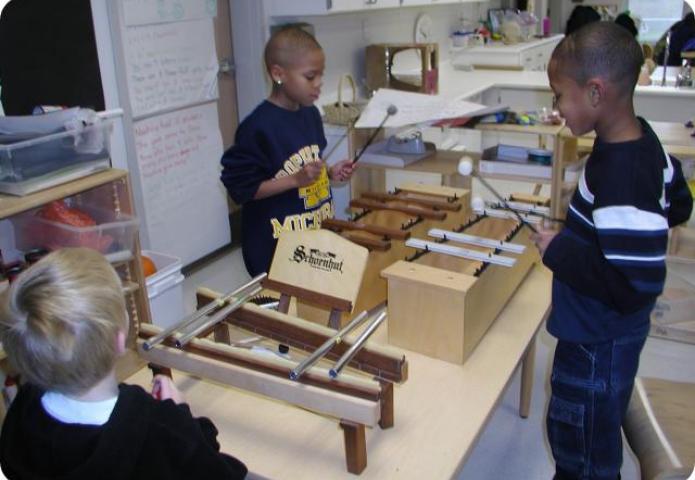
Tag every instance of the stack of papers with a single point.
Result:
(418, 109)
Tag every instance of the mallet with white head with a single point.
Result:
(390, 111)
(465, 168)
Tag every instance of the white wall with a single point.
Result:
(343, 37)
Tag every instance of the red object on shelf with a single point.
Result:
(59, 212)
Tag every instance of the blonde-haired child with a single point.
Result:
(63, 324)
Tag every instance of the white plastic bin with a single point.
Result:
(165, 289)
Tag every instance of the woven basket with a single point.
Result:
(343, 113)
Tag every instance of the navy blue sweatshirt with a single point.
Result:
(273, 142)
(608, 261)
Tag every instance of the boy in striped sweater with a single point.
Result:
(608, 261)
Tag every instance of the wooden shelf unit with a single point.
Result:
(564, 155)
(108, 190)
(445, 163)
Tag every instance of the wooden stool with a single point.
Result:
(660, 428)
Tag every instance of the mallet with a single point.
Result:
(465, 168)
(390, 111)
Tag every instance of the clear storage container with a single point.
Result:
(35, 164)
(112, 232)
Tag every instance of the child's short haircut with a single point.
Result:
(60, 318)
(286, 44)
(600, 49)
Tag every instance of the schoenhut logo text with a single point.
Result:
(320, 260)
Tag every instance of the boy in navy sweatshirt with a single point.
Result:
(608, 261)
(275, 170)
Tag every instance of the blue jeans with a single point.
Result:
(591, 387)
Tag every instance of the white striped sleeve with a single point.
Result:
(628, 218)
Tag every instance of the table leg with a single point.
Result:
(284, 303)
(387, 410)
(355, 446)
(527, 379)
(222, 333)
(334, 319)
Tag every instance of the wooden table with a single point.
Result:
(440, 411)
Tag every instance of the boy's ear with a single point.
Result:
(120, 342)
(596, 90)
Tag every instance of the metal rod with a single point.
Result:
(321, 351)
(352, 351)
(528, 208)
(666, 52)
(216, 318)
(217, 303)
(460, 252)
(504, 202)
(529, 215)
(501, 213)
(478, 241)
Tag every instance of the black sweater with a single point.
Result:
(144, 438)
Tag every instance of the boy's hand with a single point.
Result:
(543, 238)
(342, 171)
(309, 173)
(163, 388)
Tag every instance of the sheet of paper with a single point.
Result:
(170, 65)
(415, 109)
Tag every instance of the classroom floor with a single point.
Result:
(510, 447)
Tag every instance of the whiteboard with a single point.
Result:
(185, 207)
(143, 12)
(164, 75)
(170, 65)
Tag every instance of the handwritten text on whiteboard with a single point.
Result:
(170, 65)
(185, 203)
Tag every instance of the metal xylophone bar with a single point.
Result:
(218, 303)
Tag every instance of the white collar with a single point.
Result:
(69, 410)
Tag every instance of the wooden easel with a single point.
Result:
(318, 267)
